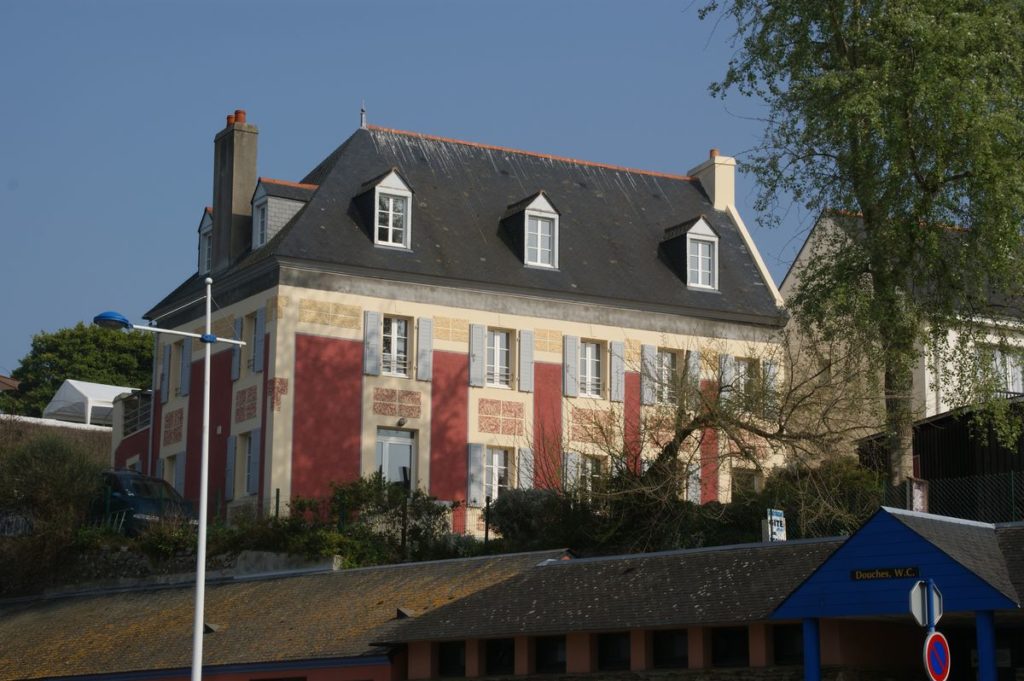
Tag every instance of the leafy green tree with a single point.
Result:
(81, 352)
(903, 121)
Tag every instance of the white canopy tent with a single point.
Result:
(84, 402)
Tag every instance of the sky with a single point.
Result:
(108, 112)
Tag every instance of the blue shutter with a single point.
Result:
(258, 340)
(477, 354)
(693, 379)
(236, 351)
(371, 343)
(617, 371)
(526, 361)
(570, 470)
(475, 478)
(252, 473)
(179, 473)
(424, 348)
(524, 469)
(229, 468)
(648, 374)
(726, 373)
(165, 374)
(159, 472)
(186, 367)
(570, 366)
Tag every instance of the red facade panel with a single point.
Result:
(135, 444)
(547, 425)
(709, 465)
(327, 423)
(449, 426)
(221, 394)
(631, 416)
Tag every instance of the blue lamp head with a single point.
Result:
(112, 320)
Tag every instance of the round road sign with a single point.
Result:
(936, 656)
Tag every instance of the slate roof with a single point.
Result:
(611, 223)
(1011, 543)
(309, 617)
(973, 544)
(720, 585)
(295, 191)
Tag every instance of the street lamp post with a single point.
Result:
(115, 320)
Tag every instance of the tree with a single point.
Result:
(903, 122)
(86, 353)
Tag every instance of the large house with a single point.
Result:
(463, 316)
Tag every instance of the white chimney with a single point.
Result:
(718, 177)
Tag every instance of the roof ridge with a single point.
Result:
(535, 154)
(940, 518)
(298, 185)
(706, 549)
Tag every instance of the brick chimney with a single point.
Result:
(717, 176)
(234, 180)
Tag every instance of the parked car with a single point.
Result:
(131, 502)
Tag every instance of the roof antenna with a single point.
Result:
(362, 115)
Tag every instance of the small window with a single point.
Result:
(259, 225)
(495, 472)
(395, 455)
(541, 240)
(730, 647)
(249, 335)
(451, 659)
(549, 654)
(173, 369)
(702, 257)
(392, 220)
(500, 656)
(745, 483)
(395, 346)
(670, 649)
(613, 651)
(590, 369)
(666, 378)
(499, 355)
(252, 457)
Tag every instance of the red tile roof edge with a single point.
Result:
(491, 147)
(286, 183)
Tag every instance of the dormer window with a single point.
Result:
(701, 256)
(392, 211)
(533, 227)
(206, 242)
(259, 224)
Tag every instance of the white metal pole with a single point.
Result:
(198, 622)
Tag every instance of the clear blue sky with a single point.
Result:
(108, 112)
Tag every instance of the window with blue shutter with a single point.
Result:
(371, 343)
(524, 469)
(648, 374)
(570, 366)
(236, 351)
(571, 463)
(229, 468)
(617, 370)
(258, 340)
(475, 477)
(526, 361)
(186, 367)
(424, 348)
(477, 354)
(726, 373)
(252, 463)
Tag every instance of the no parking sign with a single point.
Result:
(936, 656)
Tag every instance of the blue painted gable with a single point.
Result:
(873, 571)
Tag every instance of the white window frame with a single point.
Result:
(499, 373)
(666, 369)
(538, 261)
(260, 223)
(388, 189)
(591, 369)
(399, 437)
(1008, 368)
(392, 363)
(701, 234)
(497, 459)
